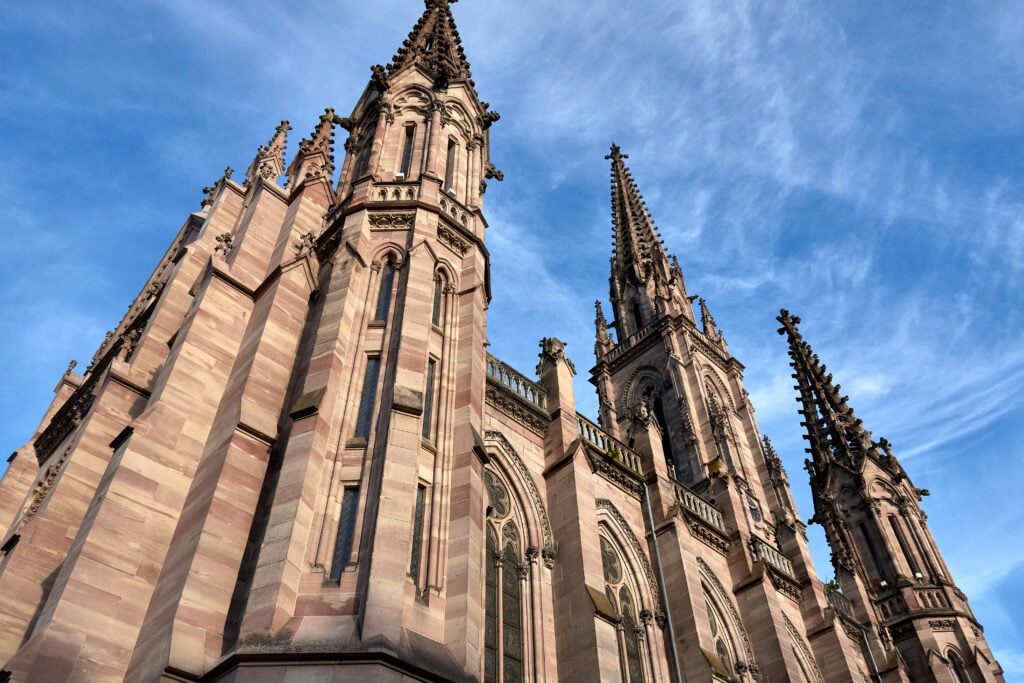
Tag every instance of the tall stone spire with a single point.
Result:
(638, 246)
(603, 343)
(435, 46)
(269, 160)
(706, 321)
(833, 430)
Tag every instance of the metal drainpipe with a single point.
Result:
(871, 655)
(661, 584)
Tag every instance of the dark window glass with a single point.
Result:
(512, 620)
(428, 399)
(410, 137)
(346, 532)
(417, 533)
(630, 635)
(449, 171)
(435, 318)
(369, 397)
(387, 281)
(491, 611)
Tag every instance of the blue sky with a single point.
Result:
(861, 165)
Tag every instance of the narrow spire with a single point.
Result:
(707, 321)
(771, 458)
(315, 158)
(269, 160)
(638, 246)
(434, 45)
(833, 430)
(603, 342)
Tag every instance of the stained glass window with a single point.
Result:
(491, 611)
(366, 403)
(346, 533)
(387, 280)
(435, 317)
(417, 533)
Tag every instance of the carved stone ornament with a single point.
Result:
(616, 474)
(225, 243)
(379, 77)
(391, 221)
(305, 245)
(553, 349)
(451, 239)
(43, 488)
(942, 624)
(517, 411)
(491, 172)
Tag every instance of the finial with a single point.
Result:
(706, 320)
(616, 153)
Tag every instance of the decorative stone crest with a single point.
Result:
(391, 221)
(225, 243)
(516, 463)
(553, 350)
(450, 239)
(305, 245)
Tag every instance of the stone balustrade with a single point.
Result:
(700, 507)
(773, 557)
(839, 603)
(607, 444)
(630, 341)
(513, 381)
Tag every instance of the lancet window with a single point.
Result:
(386, 285)
(622, 592)
(505, 595)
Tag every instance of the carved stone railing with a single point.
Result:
(608, 445)
(839, 603)
(772, 557)
(700, 507)
(631, 341)
(394, 192)
(501, 374)
(931, 598)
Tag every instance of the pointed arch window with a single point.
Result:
(449, 170)
(438, 310)
(621, 595)
(956, 668)
(387, 283)
(505, 579)
(408, 142)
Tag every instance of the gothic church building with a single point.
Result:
(294, 459)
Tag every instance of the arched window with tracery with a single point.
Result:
(622, 597)
(956, 668)
(504, 583)
(724, 647)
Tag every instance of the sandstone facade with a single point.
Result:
(295, 460)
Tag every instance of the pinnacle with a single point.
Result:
(433, 44)
(637, 242)
(269, 160)
(833, 429)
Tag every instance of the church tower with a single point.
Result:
(294, 458)
(721, 517)
(886, 561)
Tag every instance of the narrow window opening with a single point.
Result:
(428, 400)
(512, 619)
(417, 533)
(894, 523)
(873, 551)
(638, 318)
(449, 171)
(387, 280)
(491, 611)
(410, 137)
(346, 533)
(435, 317)
(368, 399)
(363, 160)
